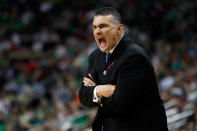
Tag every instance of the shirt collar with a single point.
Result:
(111, 51)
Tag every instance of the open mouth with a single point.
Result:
(102, 42)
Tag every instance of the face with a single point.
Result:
(106, 32)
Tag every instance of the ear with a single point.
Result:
(120, 28)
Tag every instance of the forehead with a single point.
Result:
(100, 19)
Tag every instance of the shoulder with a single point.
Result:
(95, 53)
(136, 56)
(129, 48)
(134, 49)
(134, 53)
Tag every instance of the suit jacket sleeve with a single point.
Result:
(130, 82)
(86, 92)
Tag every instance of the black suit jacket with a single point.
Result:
(135, 104)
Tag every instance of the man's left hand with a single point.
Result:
(88, 82)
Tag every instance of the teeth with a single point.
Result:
(102, 43)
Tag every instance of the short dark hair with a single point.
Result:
(109, 11)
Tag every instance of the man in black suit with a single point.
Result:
(123, 85)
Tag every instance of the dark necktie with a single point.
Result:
(107, 57)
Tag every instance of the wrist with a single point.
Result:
(98, 92)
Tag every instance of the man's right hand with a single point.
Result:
(105, 90)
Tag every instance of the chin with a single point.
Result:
(103, 49)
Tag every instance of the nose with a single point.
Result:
(97, 31)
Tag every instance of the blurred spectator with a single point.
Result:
(44, 46)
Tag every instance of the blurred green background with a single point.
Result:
(44, 48)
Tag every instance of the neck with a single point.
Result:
(119, 38)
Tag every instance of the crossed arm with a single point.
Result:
(101, 90)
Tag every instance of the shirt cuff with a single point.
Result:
(96, 99)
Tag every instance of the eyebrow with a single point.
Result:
(102, 24)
